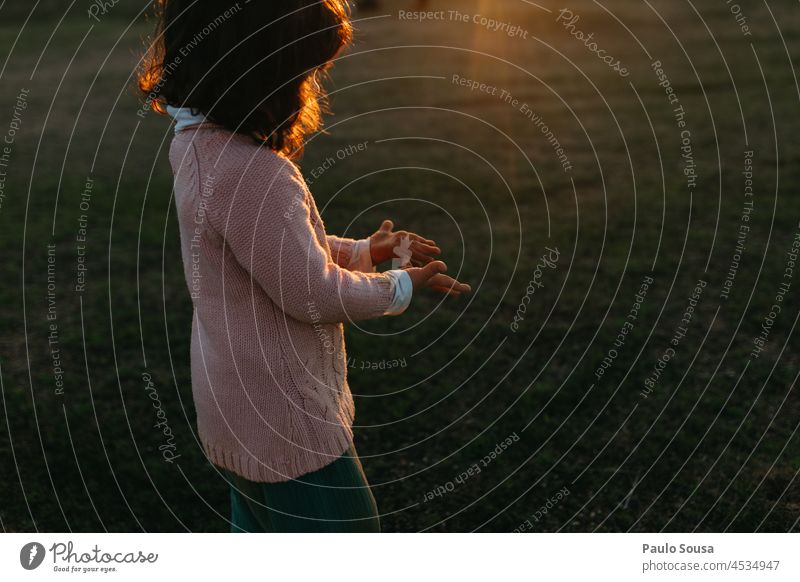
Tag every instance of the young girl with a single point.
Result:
(270, 288)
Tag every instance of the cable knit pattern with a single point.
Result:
(268, 356)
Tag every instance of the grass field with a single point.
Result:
(710, 444)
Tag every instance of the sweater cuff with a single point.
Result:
(403, 291)
(361, 259)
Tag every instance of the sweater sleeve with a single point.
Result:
(342, 250)
(269, 226)
(351, 254)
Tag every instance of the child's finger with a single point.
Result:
(445, 284)
(419, 239)
(446, 290)
(425, 248)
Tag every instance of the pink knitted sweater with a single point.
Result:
(270, 292)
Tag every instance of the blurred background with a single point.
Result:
(620, 190)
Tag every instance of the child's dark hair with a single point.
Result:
(253, 66)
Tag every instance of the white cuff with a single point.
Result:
(403, 290)
(361, 259)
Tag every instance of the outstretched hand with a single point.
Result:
(433, 276)
(405, 247)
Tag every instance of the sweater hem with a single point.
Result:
(300, 462)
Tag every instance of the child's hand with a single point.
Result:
(447, 285)
(432, 276)
(406, 247)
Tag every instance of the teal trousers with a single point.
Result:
(335, 498)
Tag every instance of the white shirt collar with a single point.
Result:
(184, 117)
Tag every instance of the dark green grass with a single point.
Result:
(706, 450)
